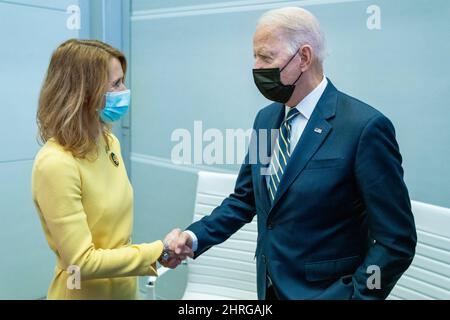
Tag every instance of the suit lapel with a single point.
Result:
(313, 136)
(273, 123)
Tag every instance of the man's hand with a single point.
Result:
(176, 249)
(184, 241)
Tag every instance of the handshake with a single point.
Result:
(177, 247)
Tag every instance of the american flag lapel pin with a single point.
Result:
(318, 130)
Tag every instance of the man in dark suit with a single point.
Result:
(333, 210)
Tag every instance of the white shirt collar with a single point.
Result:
(307, 105)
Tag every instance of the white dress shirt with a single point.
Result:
(306, 108)
(298, 124)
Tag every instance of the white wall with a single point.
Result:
(29, 31)
(192, 60)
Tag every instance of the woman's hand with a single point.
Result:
(171, 259)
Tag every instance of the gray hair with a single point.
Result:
(300, 26)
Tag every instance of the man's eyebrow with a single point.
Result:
(259, 53)
(266, 53)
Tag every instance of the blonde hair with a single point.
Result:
(73, 91)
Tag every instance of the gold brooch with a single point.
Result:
(114, 159)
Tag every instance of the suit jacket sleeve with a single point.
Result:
(235, 211)
(379, 176)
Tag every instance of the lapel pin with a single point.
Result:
(318, 130)
(114, 159)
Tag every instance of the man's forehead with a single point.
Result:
(266, 37)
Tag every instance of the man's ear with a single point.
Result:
(306, 54)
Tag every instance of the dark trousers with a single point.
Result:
(271, 294)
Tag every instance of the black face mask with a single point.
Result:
(269, 83)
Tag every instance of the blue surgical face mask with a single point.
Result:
(116, 105)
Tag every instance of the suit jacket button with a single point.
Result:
(270, 226)
(263, 258)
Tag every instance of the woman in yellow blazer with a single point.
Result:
(79, 182)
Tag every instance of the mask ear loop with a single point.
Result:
(298, 78)
(290, 62)
(281, 70)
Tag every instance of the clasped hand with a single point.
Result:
(179, 246)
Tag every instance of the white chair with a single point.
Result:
(226, 271)
(428, 277)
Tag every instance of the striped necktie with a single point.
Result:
(281, 154)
